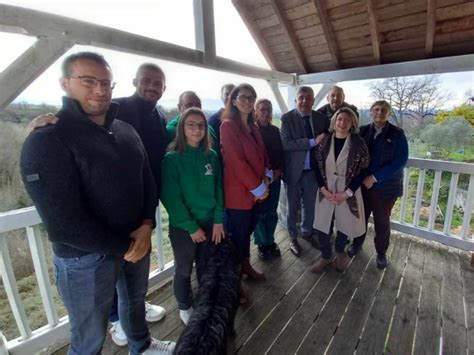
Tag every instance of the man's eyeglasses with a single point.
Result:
(193, 126)
(243, 98)
(91, 82)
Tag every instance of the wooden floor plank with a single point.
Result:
(453, 330)
(320, 334)
(402, 331)
(428, 330)
(376, 327)
(467, 273)
(348, 333)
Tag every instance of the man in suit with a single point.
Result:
(301, 130)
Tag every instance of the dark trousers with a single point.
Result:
(268, 217)
(325, 243)
(240, 224)
(381, 208)
(185, 253)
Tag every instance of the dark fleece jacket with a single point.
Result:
(92, 185)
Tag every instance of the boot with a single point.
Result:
(342, 261)
(318, 266)
(247, 269)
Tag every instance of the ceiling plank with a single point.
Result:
(374, 31)
(328, 33)
(430, 27)
(256, 34)
(290, 34)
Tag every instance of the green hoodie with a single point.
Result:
(192, 188)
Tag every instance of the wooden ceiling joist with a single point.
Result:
(328, 32)
(430, 27)
(290, 34)
(374, 31)
(256, 34)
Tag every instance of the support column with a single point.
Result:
(278, 96)
(292, 89)
(322, 93)
(204, 29)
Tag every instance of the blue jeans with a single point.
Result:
(268, 217)
(240, 224)
(305, 190)
(87, 285)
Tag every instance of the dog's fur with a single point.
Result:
(215, 305)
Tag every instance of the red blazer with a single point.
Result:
(245, 159)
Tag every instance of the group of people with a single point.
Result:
(97, 169)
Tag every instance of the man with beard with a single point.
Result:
(91, 183)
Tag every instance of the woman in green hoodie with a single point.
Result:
(193, 196)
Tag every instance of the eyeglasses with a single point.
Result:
(91, 82)
(193, 126)
(243, 98)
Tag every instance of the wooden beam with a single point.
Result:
(430, 27)
(39, 24)
(204, 29)
(256, 34)
(29, 66)
(374, 31)
(322, 93)
(278, 96)
(291, 37)
(328, 32)
(420, 67)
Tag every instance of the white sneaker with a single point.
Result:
(185, 315)
(158, 347)
(154, 313)
(117, 334)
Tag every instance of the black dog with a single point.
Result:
(215, 305)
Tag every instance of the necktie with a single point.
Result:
(307, 127)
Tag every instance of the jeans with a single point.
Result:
(305, 189)
(325, 244)
(87, 286)
(185, 252)
(268, 217)
(240, 224)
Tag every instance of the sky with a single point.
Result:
(172, 21)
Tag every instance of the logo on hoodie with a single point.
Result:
(209, 170)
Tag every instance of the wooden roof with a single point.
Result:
(309, 36)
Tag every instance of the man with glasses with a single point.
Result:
(301, 130)
(90, 180)
(138, 110)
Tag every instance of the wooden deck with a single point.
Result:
(422, 304)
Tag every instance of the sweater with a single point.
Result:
(192, 188)
(91, 184)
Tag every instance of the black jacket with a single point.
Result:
(150, 125)
(91, 184)
(328, 112)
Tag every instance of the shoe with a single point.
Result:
(274, 250)
(311, 238)
(263, 252)
(117, 334)
(153, 312)
(382, 261)
(158, 347)
(250, 272)
(295, 247)
(318, 266)
(342, 261)
(352, 250)
(186, 314)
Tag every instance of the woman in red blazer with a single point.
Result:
(246, 173)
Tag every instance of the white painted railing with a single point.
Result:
(464, 239)
(56, 333)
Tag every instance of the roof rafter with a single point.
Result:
(328, 32)
(374, 31)
(256, 34)
(290, 34)
(430, 27)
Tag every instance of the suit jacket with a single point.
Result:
(245, 160)
(295, 143)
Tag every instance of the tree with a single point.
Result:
(464, 111)
(449, 135)
(415, 98)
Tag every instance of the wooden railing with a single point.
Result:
(56, 332)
